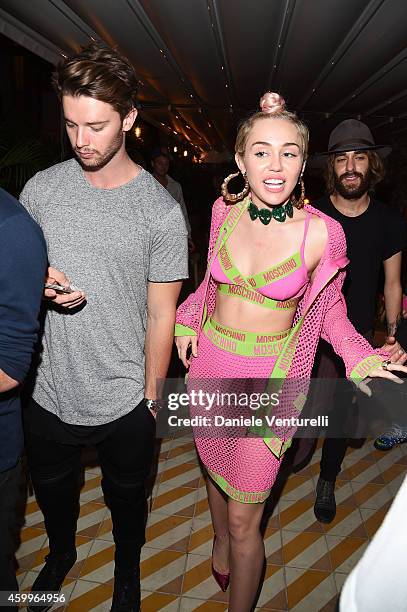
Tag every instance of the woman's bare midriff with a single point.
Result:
(234, 312)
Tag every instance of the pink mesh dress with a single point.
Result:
(238, 362)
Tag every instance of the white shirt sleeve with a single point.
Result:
(379, 580)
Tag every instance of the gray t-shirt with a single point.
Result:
(110, 243)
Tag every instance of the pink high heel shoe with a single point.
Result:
(221, 579)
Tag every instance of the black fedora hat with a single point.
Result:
(353, 135)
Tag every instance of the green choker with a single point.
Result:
(279, 213)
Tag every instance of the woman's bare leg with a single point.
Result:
(246, 554)
(218, 506)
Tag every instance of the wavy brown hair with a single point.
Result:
(98, 72)
(376, 171)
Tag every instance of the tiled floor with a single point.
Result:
(307, 562)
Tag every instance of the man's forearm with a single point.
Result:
(158, 347)
(392, 305)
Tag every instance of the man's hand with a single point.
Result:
(67, 300)
(395, 352)
(6, 382)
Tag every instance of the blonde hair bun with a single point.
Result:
(271, 103)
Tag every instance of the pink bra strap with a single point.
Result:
(306, 226)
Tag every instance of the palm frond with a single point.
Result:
(20, 161)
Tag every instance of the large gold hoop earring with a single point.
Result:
(234, 197)
(300, 202)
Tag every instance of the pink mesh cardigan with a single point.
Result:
(320, 313)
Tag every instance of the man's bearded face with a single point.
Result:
(352, 176)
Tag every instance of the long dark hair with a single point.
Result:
(376, 171)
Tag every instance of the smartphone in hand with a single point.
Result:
(59, 288)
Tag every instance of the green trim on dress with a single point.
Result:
(244, 497)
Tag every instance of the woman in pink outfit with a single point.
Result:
(272, 288)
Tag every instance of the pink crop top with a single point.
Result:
(285, 281)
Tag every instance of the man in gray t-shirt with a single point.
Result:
(117, 245)
(111, 243)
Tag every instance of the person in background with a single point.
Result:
(117, 233)
(375, 237)
(160, 163)
(23, 264)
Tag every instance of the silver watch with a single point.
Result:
(154, 404)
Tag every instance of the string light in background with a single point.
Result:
(137, 131)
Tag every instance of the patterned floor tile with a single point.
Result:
(365, 471)
(90, 596)
(339, 578)
(298, 487)
(298, 516)
(27, 554)
(344, 494)
(273, 546)
(371, 495)
(198, 580)
(159, 602)
(168, 532)
(273, 595)
(395, 483)
(307, 562)
(188, 604)
(201, 539)
(345, 552)
(309, 590)
(372, 519)
(181, 475)
(347, 519)
(99, 564)
(304, 550)
(178, 500)
(162, 570)
(188, 456)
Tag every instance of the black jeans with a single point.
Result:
(9, 491)
(334, 448)
(336, 442)
(125, 454)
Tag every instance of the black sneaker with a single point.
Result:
(325, 504)
(52, 576)
(126, 594)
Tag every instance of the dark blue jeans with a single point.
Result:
(125, 449)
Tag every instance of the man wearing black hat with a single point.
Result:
(376, 236)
